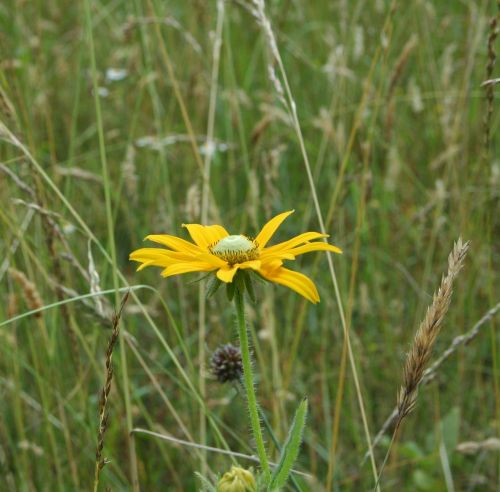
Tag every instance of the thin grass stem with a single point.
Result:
(204, 218)
(292, 108)
(111, 238)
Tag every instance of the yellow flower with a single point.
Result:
(214, 249)
(237, 480)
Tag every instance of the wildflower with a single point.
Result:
(237, 480)
(214, 249)
(226, 363)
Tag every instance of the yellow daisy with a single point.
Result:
(214, 249)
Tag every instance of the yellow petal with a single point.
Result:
(253, 264)
(294, 280)
(318, 246)
(278, 255)
(204, 236)
(227, 274)
(151, 253)
(147, 263)
(218, 232)
(272, 263)
(153, 257)
(213, 260)
(186, 267)
(176, 243)
(147, 253)
(295, 241)
(270, 228)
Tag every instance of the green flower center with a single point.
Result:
(235, 249)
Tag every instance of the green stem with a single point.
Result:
(273, 437)
(248, 379)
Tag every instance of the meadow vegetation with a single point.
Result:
(121, 119)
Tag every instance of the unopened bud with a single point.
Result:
(226, 363)
(237, 480)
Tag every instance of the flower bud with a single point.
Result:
(226, 364)
(237, 480)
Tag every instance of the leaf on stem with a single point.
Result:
(291, 449)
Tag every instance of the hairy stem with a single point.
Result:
(273, 437)
(248, 380)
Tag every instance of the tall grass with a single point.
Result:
(127, 118)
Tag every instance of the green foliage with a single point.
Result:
(249, 287)
(290, 450)
(206, 485)
(213, 285)
(450, 428)
(397, 156)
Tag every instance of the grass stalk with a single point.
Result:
(204, 218)
(111, 238)
(431, 372)
(103, 401)
(292, 108)
(420, 352)
(352, 285)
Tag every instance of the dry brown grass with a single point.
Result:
(31, 295)
(489, 88)
(420, 352)
(103, 401)
(423, 343)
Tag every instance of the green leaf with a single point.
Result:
(249, 287)
(207, 486)
(239, 280)
(423, 480)
(230, 289)
(447, 429)
(212, 286)
(291, 448)
(199, 279)
(450, 428)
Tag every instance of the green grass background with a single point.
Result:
(391, 107)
